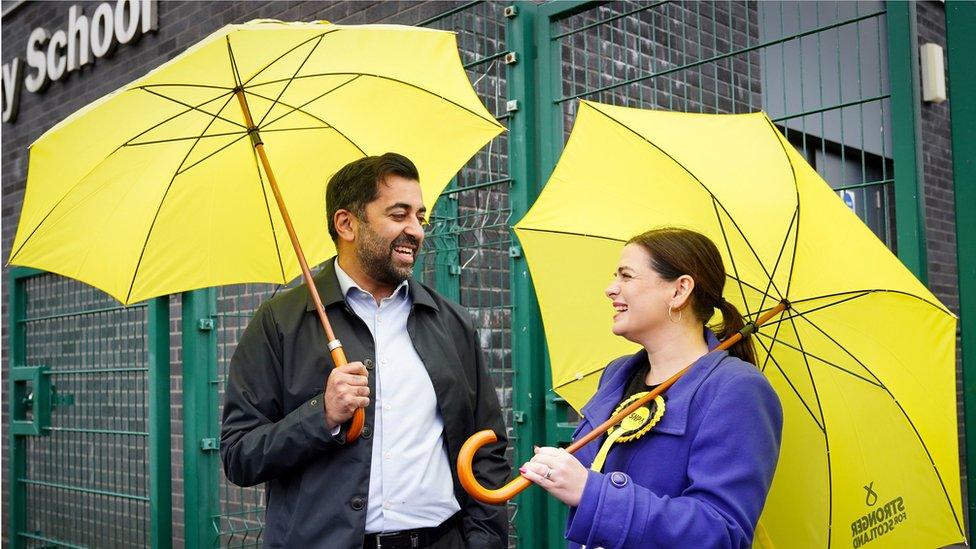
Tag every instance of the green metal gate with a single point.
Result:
(89, 408)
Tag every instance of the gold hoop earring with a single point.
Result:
(671, 310)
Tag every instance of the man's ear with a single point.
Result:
(345, 224)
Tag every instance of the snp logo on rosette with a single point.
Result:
(879, 519)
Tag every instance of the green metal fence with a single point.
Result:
(90, 417)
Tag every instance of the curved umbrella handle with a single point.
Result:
(359, 416)
(516, 485)
(471, 484)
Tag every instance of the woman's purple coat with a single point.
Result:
(699, 478)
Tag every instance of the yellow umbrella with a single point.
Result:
(165, 185)
(864, 360)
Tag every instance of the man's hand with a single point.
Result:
(347, 389)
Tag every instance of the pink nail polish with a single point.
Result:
(522, 469)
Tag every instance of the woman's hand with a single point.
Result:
(558, 473)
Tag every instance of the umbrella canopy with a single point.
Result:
(864, 361)
(157, 188)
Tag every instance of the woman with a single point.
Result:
(699, 477)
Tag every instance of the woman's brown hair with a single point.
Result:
(675, 252)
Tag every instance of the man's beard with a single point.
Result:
(376, 256)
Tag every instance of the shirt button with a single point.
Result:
(368, 363)
(383, 362)
(367, 432)
(379, 319)
(387, 407)
(618, 479)
(313, 402)
(388, 456)
(387, 505)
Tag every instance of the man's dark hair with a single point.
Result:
(357, 184)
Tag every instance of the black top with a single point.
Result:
(638, 383)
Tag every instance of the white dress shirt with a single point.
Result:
(410, 483)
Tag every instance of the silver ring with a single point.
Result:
(548, 475)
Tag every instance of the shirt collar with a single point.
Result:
(327, 282)
(347, 284)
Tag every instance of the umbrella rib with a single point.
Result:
(576, 379)
(816, 394)
(214, 153)
(875, 291)
(825, 361)
(570, 233)
(798, 313)
(769, 351)
(813, 416)
(489, 119)
(728, 247)
(282, 56)
(290, 80)
(187, 138)
(182, 85)
(191, 107)
(298, 129)
(152, 226)
(745, 284)
(327, 125)
(697, 180)
(898, 404)
(779, 257)
(796, 213)
(267, 207)
(300, 107)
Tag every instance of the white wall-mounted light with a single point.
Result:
(933, 73)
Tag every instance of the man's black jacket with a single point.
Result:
(274, 427)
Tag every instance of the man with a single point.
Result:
(418, 371)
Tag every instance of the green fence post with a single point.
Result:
(160, 462)
(903, 78)
(18, 454)
(201, 462)
(961, 43)
(528, 357)
(447, 260)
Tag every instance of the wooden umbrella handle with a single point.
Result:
(476, 441)
(335, 347)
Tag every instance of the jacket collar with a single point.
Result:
(677, 398)
(328, 286)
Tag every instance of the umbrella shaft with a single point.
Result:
(338, 356)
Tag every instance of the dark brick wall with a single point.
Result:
(940, 221)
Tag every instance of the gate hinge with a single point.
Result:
(514, 251)
(209, 444)
(206, 324)
(518, 416)
(510, 11)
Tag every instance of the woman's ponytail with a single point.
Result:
(732, 323)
